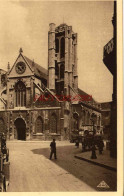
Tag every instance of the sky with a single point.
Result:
(26, 24)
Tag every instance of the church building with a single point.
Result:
(41, 104)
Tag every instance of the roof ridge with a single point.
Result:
(91, 95)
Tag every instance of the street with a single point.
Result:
(32, 171)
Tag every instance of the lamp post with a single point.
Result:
(93, 155)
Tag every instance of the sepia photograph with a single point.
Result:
(58, 96)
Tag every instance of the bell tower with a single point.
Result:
(51, 57)
(62, 59)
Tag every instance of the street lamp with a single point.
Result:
(93, 155)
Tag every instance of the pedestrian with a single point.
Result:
(77, 143)
(100, 146)
(93, 155)
(83, 144)
(53, 149)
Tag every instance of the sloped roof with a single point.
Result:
(38, 70)
(106, 106)
(81, 92)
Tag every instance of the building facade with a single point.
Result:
(40, 104)
(110, 60)
(106, 119)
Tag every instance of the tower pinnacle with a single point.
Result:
(20, 50)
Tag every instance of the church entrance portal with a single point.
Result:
(20, 129)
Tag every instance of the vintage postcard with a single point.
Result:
(61, 109)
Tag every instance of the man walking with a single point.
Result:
(53, 149)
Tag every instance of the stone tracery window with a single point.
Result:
(20, 91)
(39, 125)
(99, 121)
(86, 118)
(53, 123)
(83, 117)
(89, 121)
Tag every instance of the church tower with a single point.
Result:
(62, 59)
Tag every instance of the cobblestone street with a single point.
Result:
(32, 171)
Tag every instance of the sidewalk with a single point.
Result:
(103, 160)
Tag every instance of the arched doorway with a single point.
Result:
(20, 129)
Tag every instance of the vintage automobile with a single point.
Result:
(86, 138)
(73, 136)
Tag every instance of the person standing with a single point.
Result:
(100, 146)
(83, 144)
(53, 149)
(77, 143)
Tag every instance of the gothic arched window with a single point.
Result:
(53, 124)
(83, 117)
(99, 120)
(57, 45)
(39, 125)
(20, 91)
(62, 69)
(88, 115)
(62, 54)
(95, 119)
(56, 69)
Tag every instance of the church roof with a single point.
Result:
(81, 92)
(38, 70)
(92, 102)
(106, 106)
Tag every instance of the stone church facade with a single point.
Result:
(40, 104)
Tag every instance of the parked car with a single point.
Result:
(86, 138)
